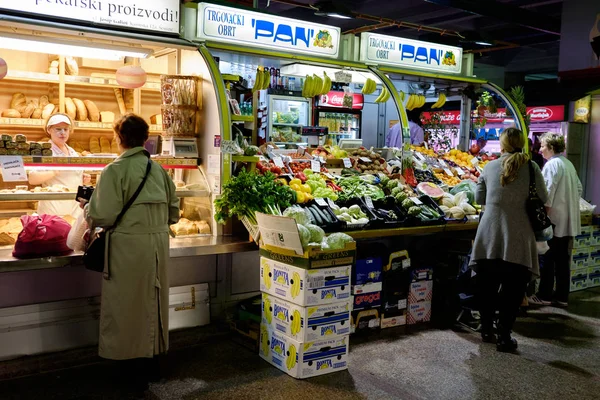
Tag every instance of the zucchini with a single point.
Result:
(327, 216)
(313, 219)
(321, 214)
(315, 214)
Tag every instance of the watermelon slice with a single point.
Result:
(430, 189)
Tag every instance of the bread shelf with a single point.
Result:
(40, 196)
(28, 123)
(90, 81)
(95, 162)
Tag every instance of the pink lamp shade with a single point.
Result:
(3, 68)
(131, 77)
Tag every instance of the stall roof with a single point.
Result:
(458, 78)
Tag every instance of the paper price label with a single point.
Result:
(419, 156)
(315, 166)
(13, 169)
(347, 163)
(330, 202)
(416, 200)
(443, 163)
(321, 201)
(365, 159)
(321, 160)
(406, 263)
(426, 145)
(390, 168)
(474, 161)
(460, 171)
(328, 175)
(278, 162)
(369, 202)
(448, 172)
(301, 149)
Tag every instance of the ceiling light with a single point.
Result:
(70, 47)
(483, 43)
(333, 15)
(332, 10)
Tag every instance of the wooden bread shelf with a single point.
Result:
(90, 81)
(28, 123)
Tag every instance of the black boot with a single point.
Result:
(488, 336)
(506, 343)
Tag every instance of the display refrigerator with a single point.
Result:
(341, 113)
(286, 117)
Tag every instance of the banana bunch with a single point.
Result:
(383, 96)
(266, 303)
(369, 87)
(296, 323)
(415, 101)
(266, 274)
(291, 358)
(326, 83)
(263, 79)
(295, 292)
(315, 85)
(264, 340)
(441, 101)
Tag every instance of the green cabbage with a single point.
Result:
(316, 233)
(298, 213)
(337, 241)
(304, 235)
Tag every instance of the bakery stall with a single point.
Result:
(94, 70)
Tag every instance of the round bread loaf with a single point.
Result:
(92, 111)
(11, 113)
(81, 110)
(18, 102)
(70, 108)
(48, 110)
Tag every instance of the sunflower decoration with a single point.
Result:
(323, 39)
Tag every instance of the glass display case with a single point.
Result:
(286, 117)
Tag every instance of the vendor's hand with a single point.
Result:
(82, 202)
(87, 179)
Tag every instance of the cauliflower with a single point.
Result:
(298, 213)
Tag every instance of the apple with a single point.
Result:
(474, 149)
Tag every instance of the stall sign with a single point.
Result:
(537, 114)
(254, 29)
(156, 15)
(336, 100)
(407, 53)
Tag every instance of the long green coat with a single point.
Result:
(135, 299)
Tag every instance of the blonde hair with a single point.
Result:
(71, 127)
(512, 141)
(555, 141)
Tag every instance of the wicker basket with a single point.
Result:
(179, 90)
(179, 121)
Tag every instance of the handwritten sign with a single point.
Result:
(369, 202)
(278, 162)
(13, 169)
(448, 172)
(347, 163)
(315, 166)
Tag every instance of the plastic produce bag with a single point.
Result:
(585, 207)
(75, 239)
(467, 186)
(42, 235)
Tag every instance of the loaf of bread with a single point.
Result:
(94, 145)
(11, 113)
(70, 108)
(105, 145)
(120, 101)
(92, 111)
(71, 67)
(28, 110)
(156, 119)
(128, 98)
(203, 227)
(37, 113)
(48, 110)
(53, 68)
(44, 101)
(18, 102)
(114, 147)
(77, 146)
(81, 110)
(184, 227)
(107, 116)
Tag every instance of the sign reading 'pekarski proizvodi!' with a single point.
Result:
(253, 29)
(150, 15)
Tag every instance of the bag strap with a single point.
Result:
(532, 186)
(134, 197)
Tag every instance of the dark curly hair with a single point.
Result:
(132, 130)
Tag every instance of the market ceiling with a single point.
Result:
(524, 34)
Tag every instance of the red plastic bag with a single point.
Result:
(42, 235)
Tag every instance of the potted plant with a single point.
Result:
(486, 102)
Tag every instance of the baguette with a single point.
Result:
(120, 101)
(11, 113)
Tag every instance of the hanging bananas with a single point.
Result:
(441, 101)
(326, 83)
(369, 87)
(415, 101)
(266, 79)
(383, 96)
(258, 80)
(318, 88)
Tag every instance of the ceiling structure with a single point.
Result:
(524, 34)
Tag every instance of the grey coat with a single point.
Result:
(504, 232)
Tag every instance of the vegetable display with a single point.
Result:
(355, 186)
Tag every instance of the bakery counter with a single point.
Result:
(180, 247)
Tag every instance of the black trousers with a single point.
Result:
(501, 286)
(556, 265)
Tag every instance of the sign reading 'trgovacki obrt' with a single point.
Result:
(156, 15)
(407, 53)
(253, 29)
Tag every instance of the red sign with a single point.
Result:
(336, 100)
(537, 114)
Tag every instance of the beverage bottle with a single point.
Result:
(292, 83)
(273, 72)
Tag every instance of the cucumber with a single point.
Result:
(321, 214)
(313, 219)
(316, 216)
(326, 216)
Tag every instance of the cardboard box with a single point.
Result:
(419, 312)
(593, 276)
(365, 319)
(420, 291)
(306, 324)
(367, 276)
(397, 277)
(594, 259)
(580, 258)
(303, 360)
(280, 241)
(366, 301)
(582, 240)
(304, 287)
(579, 279)
(595, 237)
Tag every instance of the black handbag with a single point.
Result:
(93, 258)
(535, 207)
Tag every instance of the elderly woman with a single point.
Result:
(564, 191)
(135, 304)
(505, 253)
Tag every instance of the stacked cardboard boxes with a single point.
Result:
(366, 293)
(583, 258)
(420, 296)
(396, 285)
(306, 304)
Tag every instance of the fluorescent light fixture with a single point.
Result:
(332, 9)
(333, 15)
(70, 47)
(482, 43)
(301, 70)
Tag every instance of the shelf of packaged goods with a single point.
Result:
(90, 81)
(413, 230)
(91, 162)
(27, 123)
(41, 196)
(242, 118)
(283, 124)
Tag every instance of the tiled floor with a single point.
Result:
(559, 359)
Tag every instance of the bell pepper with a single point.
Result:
(301, 176)
(296, 187)
(300, 197)
(306, 188)
(295, 181)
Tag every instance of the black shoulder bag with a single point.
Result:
(93, 259)
(535, 207)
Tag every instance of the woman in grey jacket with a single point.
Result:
(504, 252)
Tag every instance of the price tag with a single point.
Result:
(347, 163)
(321, 160)
(402, 304)
(406, 263)
(315, 166)
(448, 172)
(278, 162)
(328, 175)
(419, 156)
(416, 200)
(369, 202)
(460, 171)
(331, 203)
(366, 159)
(13, 169)
(301, 149)
(262, 158)
(381, 175)
(474, 161)
(443, 164)
(321, 201)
